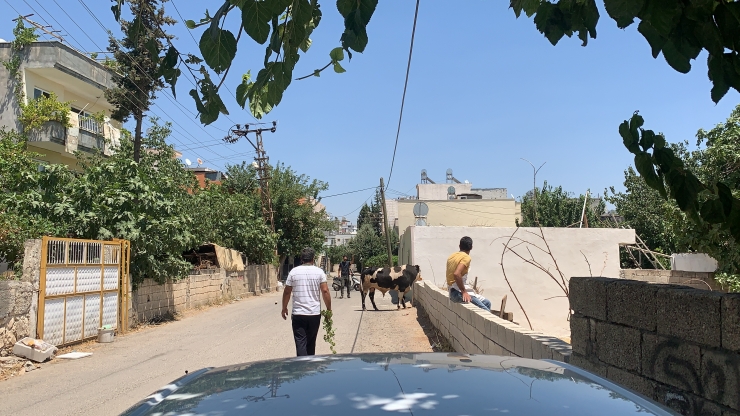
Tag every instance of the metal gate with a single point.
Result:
(83, 286)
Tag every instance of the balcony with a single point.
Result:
(85, 134)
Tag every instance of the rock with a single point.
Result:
(10, 323)
(28, 366)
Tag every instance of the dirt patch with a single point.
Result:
(438, 342)
(392, 330)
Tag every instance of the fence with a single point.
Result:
(83, 285)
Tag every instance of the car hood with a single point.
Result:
(424, 383)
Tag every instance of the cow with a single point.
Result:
(398, 278)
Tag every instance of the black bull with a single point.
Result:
(398, 278)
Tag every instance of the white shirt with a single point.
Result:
(306, 281)
(468, 288)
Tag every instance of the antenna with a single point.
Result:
(39, 26)
(188, 162)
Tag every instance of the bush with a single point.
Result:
(379, 260)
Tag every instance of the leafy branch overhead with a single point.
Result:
(710, 202)
(284, 27)
(678, 29)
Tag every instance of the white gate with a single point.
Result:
(83, 286)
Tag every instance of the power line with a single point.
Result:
(350, 192)
(403, 98)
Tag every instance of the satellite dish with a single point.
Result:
(188, 162)
(421, 222)
(421, 209)
(451, 190)
(200, 161)
(466, 181)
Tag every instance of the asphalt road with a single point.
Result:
(120, 374)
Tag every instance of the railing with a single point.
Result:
(91, 125)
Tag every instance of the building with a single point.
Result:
(344, 233)
(454, 203)
(206, 175)
(53, 67)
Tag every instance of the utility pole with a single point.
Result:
(534, 187)
(39, 26)
(263, 166)
(385, 224)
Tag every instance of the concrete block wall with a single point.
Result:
(472, 330)
(697, 280)
(674, 344)
(19, 300)
(152, 300)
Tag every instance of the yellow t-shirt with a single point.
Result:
(453, 261)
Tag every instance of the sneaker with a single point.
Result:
(341, 296)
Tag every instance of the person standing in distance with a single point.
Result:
(343, 273)
(458, 265)
(306, 283)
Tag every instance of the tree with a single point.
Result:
(145, 202)
(139, 72)
(644, 210)
(558, 208)
(366, 244)
(297, 223)
(372, 214)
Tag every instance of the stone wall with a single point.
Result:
(677, 345)
(152, 300)
(472, 330)
(19, 300)
(697, 280)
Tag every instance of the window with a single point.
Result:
(38, 92)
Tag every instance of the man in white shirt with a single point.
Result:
(305, 282)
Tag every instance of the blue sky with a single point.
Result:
(485, 90)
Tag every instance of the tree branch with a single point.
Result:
(314, 72)
(509, 283)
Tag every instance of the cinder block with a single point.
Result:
(493, 348)
(633, 381)
(509, 340)
(731, 322)
(587, 296)
(632, 303)
(591, 366)
(561, 355)
(580, 335)
(523, 345)
(721, 377)
(690, 314)
(618, 345)
(478, 321)
(480, 339)
(671, 361)
(684, 402)
(489, 329)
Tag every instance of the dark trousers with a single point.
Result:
(346, 281)
(305, 330)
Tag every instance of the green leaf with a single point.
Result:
(659, 141)
(648, 138)
(316, 73)
(282, 75)
(336, 54)
(550, 21)
(152, 47)
(190, 24)
(663, 15)
(338, 68)
(629, 141)
(654, 38)
(305, 45)
(256, 16)
(717, 76)
(218, 52)
(644, 165)
(728, 24)
(635, 123)
(241, 94)
(712, 211)
(135, 30)
(301, 11)
(346, 6)
(675, 58)
(725, 197)
(529, 7)
(623, 11)
(198, 103)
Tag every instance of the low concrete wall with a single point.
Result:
(472, 330)
(676, 345)
(19, 300)
(697, 280)
(152, 300)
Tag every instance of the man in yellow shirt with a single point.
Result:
(458, 265)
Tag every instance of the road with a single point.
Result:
(119, 374)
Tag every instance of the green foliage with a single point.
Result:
(681, 30)
(372, 214)
(366, 244)
(297, 223)
(24, 36)
(558, 208)
(379, 260)
(139, 70)
(21, 200)
(42, 110)
(701, 209)
(329, 329)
